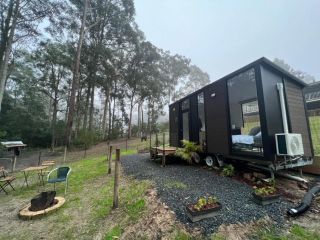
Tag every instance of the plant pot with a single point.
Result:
(196, 216)
(265, 200)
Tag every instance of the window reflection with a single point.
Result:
(201, 120)
(244, 113)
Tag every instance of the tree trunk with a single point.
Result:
(110, 120)
(105, 112)
(86, 109)
(130, 117)
(142, 127)
(75, 79)
(7, 49)
(91, 115)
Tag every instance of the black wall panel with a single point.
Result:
(174, 124)
(216, 113)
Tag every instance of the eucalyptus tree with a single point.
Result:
(175, 68)
(54, 60)
(196, 79)
(19, 20)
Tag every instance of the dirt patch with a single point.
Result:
(241, 231)
(159, 223)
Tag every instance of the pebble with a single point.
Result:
(235, 196)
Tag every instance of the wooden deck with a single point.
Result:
(162, 152)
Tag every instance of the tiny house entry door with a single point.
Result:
(185, 126)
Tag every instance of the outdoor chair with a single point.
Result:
(5, 180)
(62, 174)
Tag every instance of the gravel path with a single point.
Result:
(179, 184)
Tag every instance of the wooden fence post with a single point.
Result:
(39, 161)
(65, 154)
(163, 151)
(110, 159)
(116, 180)
(126, 144)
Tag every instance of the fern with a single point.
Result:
(187, 149)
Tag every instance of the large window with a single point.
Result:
(201, 120)
(244, 114)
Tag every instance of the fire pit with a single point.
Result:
(41, 204)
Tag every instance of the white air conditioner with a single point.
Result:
(289, 144)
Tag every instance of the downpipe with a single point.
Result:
(306, 202)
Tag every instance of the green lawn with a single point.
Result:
(315, 133)
(88, 208)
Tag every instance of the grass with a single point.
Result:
(314, 122)
(175, 184)
(88, 204)
(114, 233)
(296, 233)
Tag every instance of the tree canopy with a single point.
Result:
(81, 70)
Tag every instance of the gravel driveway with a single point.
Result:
(179, 184)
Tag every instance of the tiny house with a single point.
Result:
(255, 114)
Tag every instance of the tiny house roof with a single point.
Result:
(12, 144)
(260, 61)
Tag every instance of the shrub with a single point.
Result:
(265, 191)
(85, 139)
(228, 170)
(187, 149)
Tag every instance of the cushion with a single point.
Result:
(254, 131)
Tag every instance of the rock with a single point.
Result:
(259, 175)
(247, 176)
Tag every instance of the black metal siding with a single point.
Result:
(297, 114)
(217, 119)
(272, 110)
(174, 124)
(193, 126)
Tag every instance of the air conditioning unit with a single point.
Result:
(289, 144)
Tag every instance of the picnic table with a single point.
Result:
(48, 163)
(38, 169)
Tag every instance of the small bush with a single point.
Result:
(187, 149)
(85, 139)
(228, 170)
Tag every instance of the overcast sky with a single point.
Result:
(221, 36)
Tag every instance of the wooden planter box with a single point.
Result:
(265, 200)
(196, 216)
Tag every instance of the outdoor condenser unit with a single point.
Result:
(288, 144)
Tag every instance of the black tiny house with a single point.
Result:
(256, 114)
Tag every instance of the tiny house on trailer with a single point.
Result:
(255, 114)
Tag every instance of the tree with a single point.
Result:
(75, 78)
(54, 61)
(19, 20)
(196, 79)
(299, 74)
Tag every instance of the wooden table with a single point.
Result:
(38, 169)
(48, 163)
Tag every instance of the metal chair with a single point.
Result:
(62, 176)
(5, 180)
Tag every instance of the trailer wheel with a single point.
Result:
(195, 157)
(209, 161)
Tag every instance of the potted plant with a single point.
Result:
(204, 208)
(265, 194)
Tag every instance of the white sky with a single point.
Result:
(221, 36)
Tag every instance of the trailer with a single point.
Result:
(256, 114)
